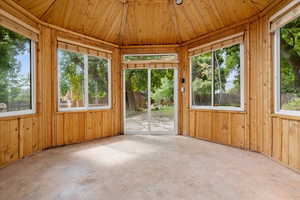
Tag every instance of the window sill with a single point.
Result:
(84, 110)
(292, 115)
(17, 115)
(217, 109)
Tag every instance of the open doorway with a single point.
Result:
(150, 101)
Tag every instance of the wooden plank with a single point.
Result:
(4, 131)
(285, 141)
(27, 136)
(106, 124)
(12, 152)
(35, 134)
(238, 130)
(277, 139)
(294, 145)
(82, 129)
(68, 130)
(60, 137)
(90, 126)
(204, 125)
(192, 124)
(221, 128)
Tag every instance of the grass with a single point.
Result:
(293, 105)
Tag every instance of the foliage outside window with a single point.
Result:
(84, 81)
(216, 79)
(288, 67)
(16, 73)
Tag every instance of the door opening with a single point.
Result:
(150, 101)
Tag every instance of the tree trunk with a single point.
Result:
(293, 59)
(131, 104)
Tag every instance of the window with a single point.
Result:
(151, 57)
(288, 68)
(16, 74)
(217, 79)
(84, 81)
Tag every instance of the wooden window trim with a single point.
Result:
(77, 47)
(241, 108)
(277, 21)
(14, 24)
(218, 44)
(85, 107)
(285, 15)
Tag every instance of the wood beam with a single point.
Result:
(175, 21)
(47, 10)
(123, 21)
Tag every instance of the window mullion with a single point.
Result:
(86, 95)
(33, 76)
(213, 78)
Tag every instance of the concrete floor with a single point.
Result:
(148, 167)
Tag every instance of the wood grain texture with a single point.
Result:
(21, 136)
(276, 136)
(139, 22)
(219, 127)
(286, 142)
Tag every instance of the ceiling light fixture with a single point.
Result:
(179, 2)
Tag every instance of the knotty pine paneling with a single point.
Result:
(286, 142)
(21, 136)
(9, 141)
(260, 101)
(220, 127)
(79, 127)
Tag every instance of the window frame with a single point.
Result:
(85, 83)
(32, 84)
(277, 78)
(241, 108)
(149, 54)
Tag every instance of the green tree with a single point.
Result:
(14, 86)
(201, 78)
(164, 93)
(290, 65)
(98, 80)
(72, 76)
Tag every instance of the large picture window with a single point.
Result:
(288, 68)
(217, 79)
(16, 74)
(84, 81)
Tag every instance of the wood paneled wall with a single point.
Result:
(22, 136)
(223, 127)
(217, 126)
(258, 128)
(260, 101)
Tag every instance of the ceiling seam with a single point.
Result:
(123, 21)
(46, 12)
(253, 4)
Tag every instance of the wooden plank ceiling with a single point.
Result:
(141, 22)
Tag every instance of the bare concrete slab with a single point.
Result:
(148, 167)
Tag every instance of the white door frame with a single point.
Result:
(149, 132)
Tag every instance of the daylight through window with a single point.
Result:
(84, 81)
(16, 73)
(216, 79)
(288, 67)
